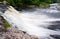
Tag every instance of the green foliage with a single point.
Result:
(36, 2)
(7, 25)
(25, 3)
(45, 1)
(11, 2)
(1, 0)
(44, 5)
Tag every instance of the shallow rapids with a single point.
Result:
(35, 23)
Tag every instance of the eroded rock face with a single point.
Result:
(13, 32)
(2, 26)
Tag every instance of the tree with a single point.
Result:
(25, 3)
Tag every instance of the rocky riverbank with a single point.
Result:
(12, 32)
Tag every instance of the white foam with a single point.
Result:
(32, 23)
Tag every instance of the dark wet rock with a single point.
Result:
(55, 25)
(56, 36)
(2, 27)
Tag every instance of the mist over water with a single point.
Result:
(43, 23)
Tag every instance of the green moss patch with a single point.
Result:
(7, 25)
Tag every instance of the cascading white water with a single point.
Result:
(34, 23)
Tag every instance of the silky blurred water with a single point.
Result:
(43, 23)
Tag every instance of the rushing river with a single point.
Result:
(43, 23)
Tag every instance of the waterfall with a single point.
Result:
(34, 23)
